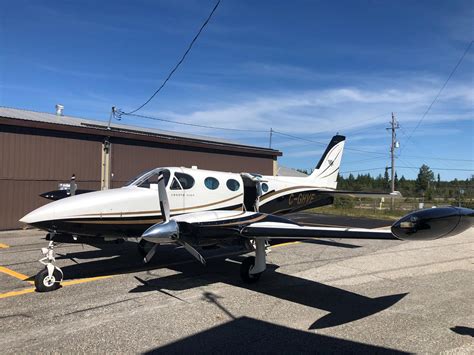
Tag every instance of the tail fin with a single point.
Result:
(326, 172)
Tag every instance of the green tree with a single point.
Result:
(424, 179)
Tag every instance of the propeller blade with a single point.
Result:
(163, 197)
(193, 252)
(150, 254)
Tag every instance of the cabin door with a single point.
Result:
(252, 192)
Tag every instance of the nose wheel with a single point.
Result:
(48, 279)
(45, 282)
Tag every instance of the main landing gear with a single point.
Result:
(253, 266)
(50, 277)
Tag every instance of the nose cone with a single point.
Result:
(109, 203)
(44, 213)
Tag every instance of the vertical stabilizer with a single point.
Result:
(326, 172)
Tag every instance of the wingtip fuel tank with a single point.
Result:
(434, 223)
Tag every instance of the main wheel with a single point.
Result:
(144, 247)
(45, 283)
(245, 274)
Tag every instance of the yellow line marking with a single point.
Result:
(4, 246)
(81, 281)
(284, 244)
(74, 282)
(17, 293)
(64, 283)
(15, 274)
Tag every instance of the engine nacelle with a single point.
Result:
(434, 223)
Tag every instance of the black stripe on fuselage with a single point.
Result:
(297, 201)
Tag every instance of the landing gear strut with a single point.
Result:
(253, 266)
(50, 277)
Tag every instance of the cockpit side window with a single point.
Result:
(175, 185)
(186, 181)
(150, 179)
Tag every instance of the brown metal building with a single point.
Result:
(40, 150)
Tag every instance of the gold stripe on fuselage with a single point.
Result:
(112, 222)
(157, 212)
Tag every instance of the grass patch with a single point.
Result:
(361, 212)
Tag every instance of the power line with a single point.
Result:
(447, 169)
(118, 113)
(440, 90)
(363, 160)
(431, 158)
(180, 61)
(195, 125)
(401, 167)
(357, 171)
(325, 144)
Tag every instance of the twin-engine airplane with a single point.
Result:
(198, 208)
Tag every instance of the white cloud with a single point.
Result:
(339, 109)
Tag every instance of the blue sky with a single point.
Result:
(305, 68)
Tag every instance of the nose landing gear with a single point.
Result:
(50, 277)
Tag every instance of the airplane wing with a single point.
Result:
(362, 194)
(276, 230)
(191, 228)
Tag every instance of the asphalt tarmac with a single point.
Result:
(319, 296)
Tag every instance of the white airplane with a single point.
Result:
(194, 208)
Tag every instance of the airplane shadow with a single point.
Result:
(247, 335)
(343, 306)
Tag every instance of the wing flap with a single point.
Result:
(275, 230)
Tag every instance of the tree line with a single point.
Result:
(426, 185)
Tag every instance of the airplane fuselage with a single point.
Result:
(128, 211)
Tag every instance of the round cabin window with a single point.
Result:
(233, 185)
(211, 183)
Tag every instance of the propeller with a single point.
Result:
(168, 230)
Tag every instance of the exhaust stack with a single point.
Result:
(59, 110)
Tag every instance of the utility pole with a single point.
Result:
(271, 134)
(393, 127)
(112, 114)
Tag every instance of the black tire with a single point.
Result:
(44, 284)
(247, 264)
(144, 247)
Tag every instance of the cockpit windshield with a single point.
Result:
(149, 179)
